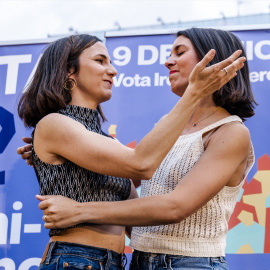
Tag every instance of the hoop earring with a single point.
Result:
(70, 84)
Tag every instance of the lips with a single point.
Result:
(108, 81)
(173, 71)
(108, 84)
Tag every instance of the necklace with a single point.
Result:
(195, 124)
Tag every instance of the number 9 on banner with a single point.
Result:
(122, 55)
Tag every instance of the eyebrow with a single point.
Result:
(178, 46)
(102, 55)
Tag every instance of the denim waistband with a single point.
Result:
(60, 248)
(163, 258)
(148, 260)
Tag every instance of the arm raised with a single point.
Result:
(63, 137)
(222, 162)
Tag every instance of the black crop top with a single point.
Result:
(75, 182)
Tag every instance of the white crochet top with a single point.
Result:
(203, 234)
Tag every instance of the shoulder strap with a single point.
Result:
(232, 118)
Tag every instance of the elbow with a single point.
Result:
(145, 171)
(176, 216)
(147, 175)
(177, 212)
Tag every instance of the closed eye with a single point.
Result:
(179, 54)
(99, 60)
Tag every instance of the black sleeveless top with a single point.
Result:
(75, 182)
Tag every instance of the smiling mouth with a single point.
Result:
(108, 82)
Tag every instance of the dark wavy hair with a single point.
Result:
(45, 93)
(236, 96)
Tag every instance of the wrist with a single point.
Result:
(192, 95)
(81, 210)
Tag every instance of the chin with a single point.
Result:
(177, 91)
(106, 98)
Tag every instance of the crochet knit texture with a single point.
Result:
(203, 234)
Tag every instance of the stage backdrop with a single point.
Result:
(141, 96)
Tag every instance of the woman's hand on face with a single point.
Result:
(59, 211)
(26, 151)
(204, 81)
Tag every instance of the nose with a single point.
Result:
(170, 62)
(112, 71)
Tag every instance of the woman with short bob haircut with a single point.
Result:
(235, 96)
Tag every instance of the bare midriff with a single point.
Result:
(103, 236)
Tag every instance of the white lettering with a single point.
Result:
(32, 74)
(124, 58)
(146, 81)
(27, 264)
(141, 55)
(13, 62)
(16, 221)
(137, 80)
(15, 228)
(7, 263)
(159, 80)
(249, 50)
(3, 229)
(259, 76)
(258, 50)
(128, 81)
(131, 81)
(117, 82)
(254, 76)
(165, 51)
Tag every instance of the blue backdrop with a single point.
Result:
(141, 96)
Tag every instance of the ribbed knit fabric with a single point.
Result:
(70, 180)
(203, 234)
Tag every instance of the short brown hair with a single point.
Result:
(45, 94)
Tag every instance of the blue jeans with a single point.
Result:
(69, 256)
(144, 260)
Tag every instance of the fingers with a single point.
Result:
(48, 221)
(232, 61)
(27, 139)
(23, 149)
(206, 60)
(26, 153)
(43, 205)
(43, 197)
(235, 66)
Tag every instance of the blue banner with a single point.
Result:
(141, 96)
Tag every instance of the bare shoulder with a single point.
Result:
(53, 119)
(56, 123)
(232, 136)
(235, 130)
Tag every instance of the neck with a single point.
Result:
(83, 103)
(204, 112)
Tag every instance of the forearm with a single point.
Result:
(153, 210)
(156, 144)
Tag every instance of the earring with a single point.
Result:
(70, 84)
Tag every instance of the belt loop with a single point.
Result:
(163, 261)
(49, 253)
(109, 260)
(221, 258)
(170, 263)
(137, 258)
(123, 260)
